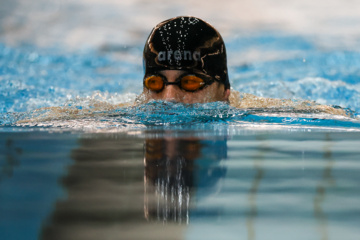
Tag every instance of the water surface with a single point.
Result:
(180, 185)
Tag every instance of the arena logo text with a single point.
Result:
(178, 55)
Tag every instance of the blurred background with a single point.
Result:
(95, 23)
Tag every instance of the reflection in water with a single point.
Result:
(326, 182)
(174, 170)
(252, 213)
(109, 190)
(124, 187)
(168, 178)
(103, 187)
(259, 192)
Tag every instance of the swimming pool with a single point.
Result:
(96, 167)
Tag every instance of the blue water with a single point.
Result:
(34, 78)
(207, 183)
(30, 168)
(303, 71)
(36, 75)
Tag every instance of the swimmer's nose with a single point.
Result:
(171, 93)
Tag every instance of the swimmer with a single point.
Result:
(185, 61)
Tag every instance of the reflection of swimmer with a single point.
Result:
(174, 170)
(105, 186)
(98, 193)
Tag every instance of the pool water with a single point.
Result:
(180, 185)
(80, 160)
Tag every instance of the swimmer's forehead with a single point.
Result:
(175, 73)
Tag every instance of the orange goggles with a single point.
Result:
(189, 83)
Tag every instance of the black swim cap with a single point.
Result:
(186, 43)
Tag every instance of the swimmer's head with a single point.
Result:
(190, 46)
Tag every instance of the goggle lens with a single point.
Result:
(154, 83)
(191, 83)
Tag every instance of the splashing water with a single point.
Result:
(297, 70)
(91, 90)
(32, 79)
(210, 117)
